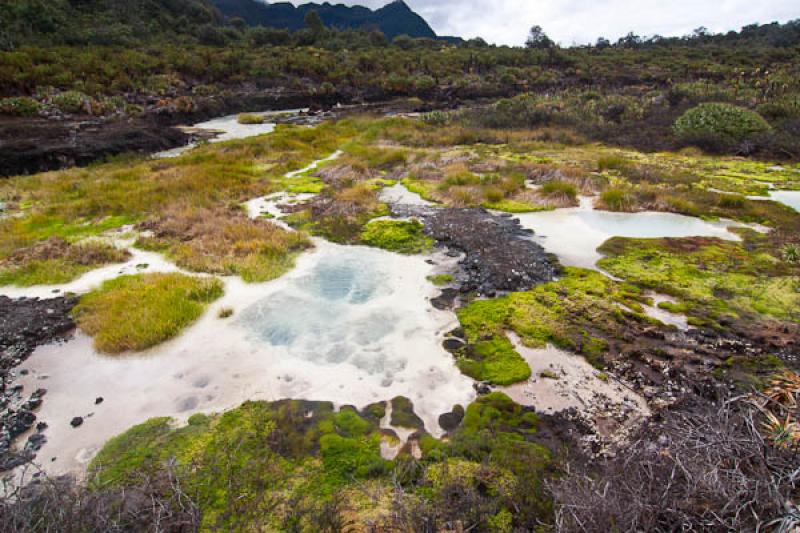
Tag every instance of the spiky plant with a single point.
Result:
(791, 253)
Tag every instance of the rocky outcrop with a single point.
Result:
(499, 255)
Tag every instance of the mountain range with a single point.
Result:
(393, 19)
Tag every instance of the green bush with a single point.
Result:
(436, 118)
(716, 125)
(70, 101)
(21, 106)
(616, 200)
(786, 107)
(249, 118)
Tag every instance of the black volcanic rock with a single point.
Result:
(393, 19)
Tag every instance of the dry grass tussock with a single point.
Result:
(223, 241)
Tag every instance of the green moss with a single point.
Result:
(495, 361)
(397, 236)
(712, 278)
(441, 280)
(165, 305)
(582, 312)
(345, 458)
(403, 414)
(515, 206)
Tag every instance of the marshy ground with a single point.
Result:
(295, 271)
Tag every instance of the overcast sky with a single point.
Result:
(582, 21)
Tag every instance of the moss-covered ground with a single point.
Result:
(715, 281)
(405, 237)
(260, 465)
(580, 312)
(289, 465)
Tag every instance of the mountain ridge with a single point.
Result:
(393, 19)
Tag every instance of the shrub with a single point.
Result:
(436, 118)
(612, 162)
(21, 106)
(70, 101)
(616, 200)
(791, 253)
(718, 125)
(424, 83)
(560, 189)
(787, 107)
(249, 118)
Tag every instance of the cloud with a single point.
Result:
(583, 21)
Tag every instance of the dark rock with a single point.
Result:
(77, 421)
(499, 255)
(445, 300)
(482, 388)
(98, 400)
(450, 421)
(452, 345)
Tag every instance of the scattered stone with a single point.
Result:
(24, 324)
(482, 388)
(498, 254)
(98, 400)
(77, 421)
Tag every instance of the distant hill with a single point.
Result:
(100, 21)
(392, 19)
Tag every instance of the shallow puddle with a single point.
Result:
(790, 198)
(228, 128)
(398, 194)
(561, 380)
(574, 234)
(351, 325)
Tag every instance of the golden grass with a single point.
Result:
(133, 313)
(225, 242)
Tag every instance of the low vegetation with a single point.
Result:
(133, 313)
(223, 242)
(249, 118)
(55, 261)
(296, 465)
(718, 282)
(406, 237)
(172, 194)
(583, 312)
